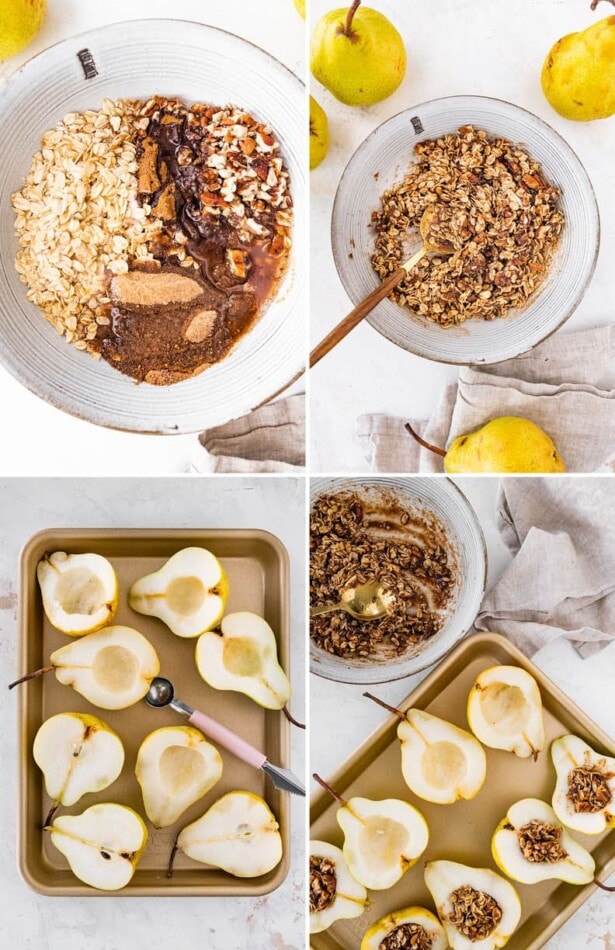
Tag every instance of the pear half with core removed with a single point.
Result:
(243, 657)
(584, 796)
(334, 893)
(238, 834)
(477, 907)
(411, 927)
(176, 766)
(77, 753)
(530, 845)
(188, 593)
(102, 845)
(79, 591)
(505, 711)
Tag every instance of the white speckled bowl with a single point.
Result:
(387, 153)
(441, 497)
(138, 59)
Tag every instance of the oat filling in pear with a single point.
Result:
(584, 796)
(334, 892)
(412, 928)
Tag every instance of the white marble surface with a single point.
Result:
(37, 438)
(32, 922)
(478, 47)
(340, 713)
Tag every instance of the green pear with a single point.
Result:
(346, 899)
(409, 927)
(20, 21)
(578, 76)
(319, 134)
(505, 711)
(506, 444)
(358, 55)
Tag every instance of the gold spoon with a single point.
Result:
(430, 246)
(365, 602)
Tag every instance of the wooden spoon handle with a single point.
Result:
(355, 316)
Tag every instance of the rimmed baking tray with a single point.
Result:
(462, 832)
(257, 566)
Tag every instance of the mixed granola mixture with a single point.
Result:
(407, 937)
(588, 790)
(323, 883)
(362, 537)
(540, 842)
(152, 233)
(502, 218)
(474, 913)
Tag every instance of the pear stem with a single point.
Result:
(593, 6)
(348, 25)
(604, 887)
(31, 676)
(295, 722)
(327, 787)
(174, 851)
(49, 817)
(426, 445)
(381, 702)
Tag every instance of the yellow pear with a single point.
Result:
(334, 893)
(300, 7)
(20, 21)
(505, 711)
(358, 55)
(506, 444)
(412, 926)
(319, 134)
(578, 76)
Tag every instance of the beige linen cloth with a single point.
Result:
(562, 579)
(268, 440)
(566, 385)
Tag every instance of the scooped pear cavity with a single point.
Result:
(530, 845)
(477, 907)
(188, 593)
(102, 845)
(77, 754)
(243, 657)
(440, 762)
(413, 927)
(238, 834)
(112, 668)
(175, 767)
(79, 591)
(334, 893)
(584, 796)
(505, 711)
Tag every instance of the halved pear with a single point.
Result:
(530, 845)
(238, 833)
(112, 668)
(243, 657)
(477, 907)
(176, 766)
(102, 845)
(505, 711)
(79, 591)
(410, 927)
(77, 754)
(188, 593)
(584, 796)
(334, 893)
(382, 839)
(440, 762)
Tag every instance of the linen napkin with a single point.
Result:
(562, 579)
(268, 439)
(566, 385)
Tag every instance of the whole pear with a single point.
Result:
(319, 134)
(358, 55)
(578, 76)
(20, 21)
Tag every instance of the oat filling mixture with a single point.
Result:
(540, 842)
(358, 538)
(407, 937)
(502, 218)
(152, 234)
(323, 883)
(474, 913)
(588, 790)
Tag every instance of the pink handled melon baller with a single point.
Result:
(161, 693)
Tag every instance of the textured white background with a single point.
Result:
(478, 47)
(341, 713)
(37, 438)
(32, 922)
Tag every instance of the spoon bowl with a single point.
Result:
(365, 602)
(160, 692)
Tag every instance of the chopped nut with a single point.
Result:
(474, 914)
(540, 842)
(323, 883)
(407, 937)
(200, 326)
(588, 790)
